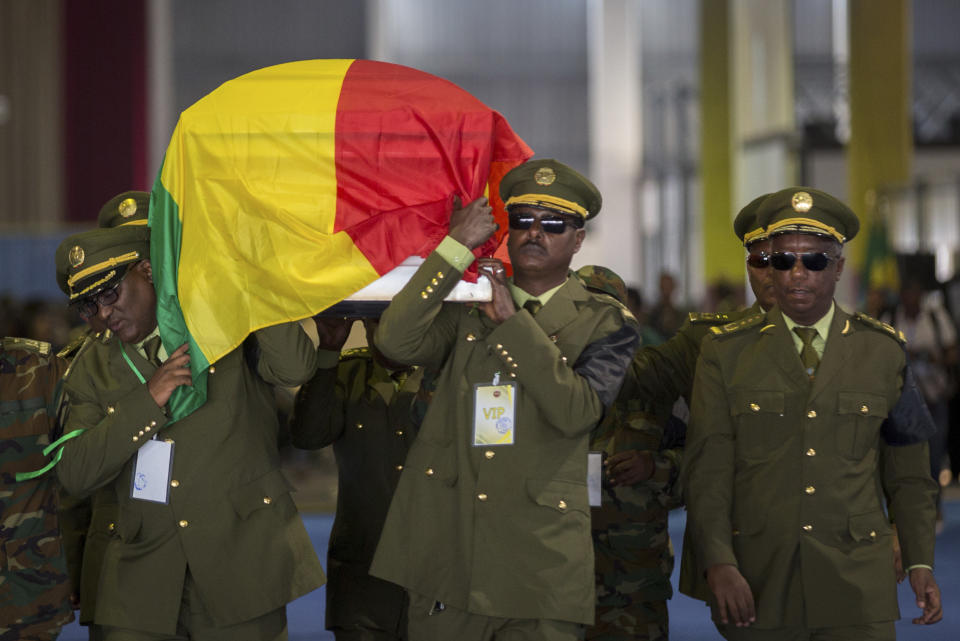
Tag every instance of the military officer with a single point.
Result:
(360, 402)
(787, 452)
(88, 523)
(34, 586)
(198, 498)
(489, 529)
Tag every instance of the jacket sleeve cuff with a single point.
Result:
(455, 253)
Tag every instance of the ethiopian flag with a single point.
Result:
(290, 188)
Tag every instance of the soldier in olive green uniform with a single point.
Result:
(362, 407)
(489, 529)
(88, 523)
(34, 586)
(205, 498)
(788, 449)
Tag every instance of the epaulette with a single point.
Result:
(105, 336)
(708, 317)
(356, 352)
(73, 346)
(880, 326)
(28, 344)
(736, 326)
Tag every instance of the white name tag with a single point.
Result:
(151, 473)
(595, 478)
(495, 410)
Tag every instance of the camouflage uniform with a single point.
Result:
(34, 588)
(632, 549)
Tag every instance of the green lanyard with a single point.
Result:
(26, 476)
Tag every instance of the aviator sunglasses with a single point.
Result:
(550, 224)
(814, 261)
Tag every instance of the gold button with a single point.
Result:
(513, 374)
(141, 433)
(399, 467)
(440, 275)
(213, 369)
(146, 429)
(112, 526)
(808, 528)
(359, 426)
(812, 414)
(482, 496)
(429, 471)
(864, 409)
(810, 489)
(424, 295)
(184, 523)
(562, 504)
(754, 407)
(873, 534)
(429, 289)
(504, 353)
(553, 337)
(174, 483)
(499, 346)
(267, 500)
(136, 438)
(399, 432)
(811, 452)
(489, 454)
(509, 359)
(111, 409)
(435, 281)
(153, 423)
(471, 338)
(563, 358)
(513, 365)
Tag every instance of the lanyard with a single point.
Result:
(132, 366)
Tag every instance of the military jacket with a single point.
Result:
(501, 531)
(230, 517)
(357, 408)
(785, 477)
(34, 587)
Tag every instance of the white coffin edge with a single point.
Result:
(385, 287)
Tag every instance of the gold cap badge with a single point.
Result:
(544, 176)
(75, 256)
(127, 207)
(802, 202)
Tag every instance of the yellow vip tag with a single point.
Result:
(495, 409)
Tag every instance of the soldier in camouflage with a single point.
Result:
(632, 549)
(34, 588)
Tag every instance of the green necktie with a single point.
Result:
(533, 306)
(151, 347)
(808, 355)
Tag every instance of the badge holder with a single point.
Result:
(494, 414)
(151, 472)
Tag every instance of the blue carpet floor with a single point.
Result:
(689, 619)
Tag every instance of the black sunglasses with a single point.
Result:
(550, 224)
(88, 307)
(814, 261)
(759, 261)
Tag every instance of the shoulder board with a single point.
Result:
(73, 347)
(28, 344)
(736, 326)
(880, 326)
(707, 317)
(356, 352)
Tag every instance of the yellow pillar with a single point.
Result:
(881, 135)
(723, 258)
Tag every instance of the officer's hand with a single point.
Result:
(174, 372)
(501, 307)
(928, 596)
(897, 556)
(630, 467)
(734, 598)
(332, 332)
(472, 225)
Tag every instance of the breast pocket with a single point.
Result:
(861, 414)
(759, 420)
